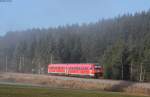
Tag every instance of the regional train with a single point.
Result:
(76, 69)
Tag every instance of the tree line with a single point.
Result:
(120, 44)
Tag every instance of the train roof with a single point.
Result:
(97, 64)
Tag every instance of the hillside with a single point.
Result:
(120, 44)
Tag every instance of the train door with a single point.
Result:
(66, 70)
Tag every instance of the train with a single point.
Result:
(92, 70)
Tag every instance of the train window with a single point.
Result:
(79, 68)
(91, 68)
(76, 68)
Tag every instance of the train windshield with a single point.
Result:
(97, 66)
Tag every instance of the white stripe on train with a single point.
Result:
(71, 73)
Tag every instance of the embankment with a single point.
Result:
(77, 83)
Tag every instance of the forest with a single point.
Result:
(120, 44)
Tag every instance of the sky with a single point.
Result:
(27, 14)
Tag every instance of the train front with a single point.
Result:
(98, 71)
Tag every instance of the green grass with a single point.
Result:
(27, 91)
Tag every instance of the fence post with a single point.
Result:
(51, 59)
(122, 72)
(131, 70)
(20, 64)
(6, 64)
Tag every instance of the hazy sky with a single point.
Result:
(23, 14)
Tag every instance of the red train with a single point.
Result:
(76, 69)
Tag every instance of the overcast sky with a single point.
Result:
(23, 14)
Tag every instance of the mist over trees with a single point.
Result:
(120, 44)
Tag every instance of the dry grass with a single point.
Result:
(78, 83)
(30, 91)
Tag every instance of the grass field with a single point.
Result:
(27, 91)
